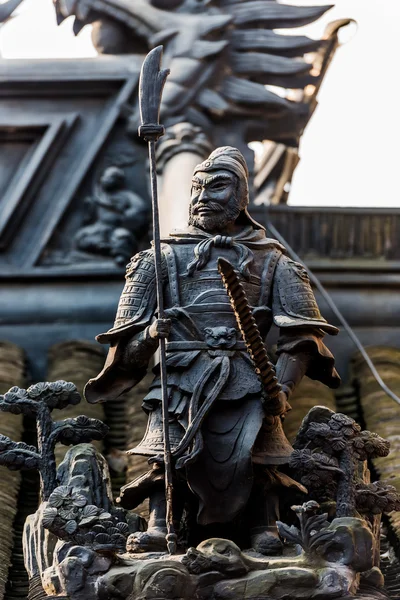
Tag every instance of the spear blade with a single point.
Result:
(151, 85)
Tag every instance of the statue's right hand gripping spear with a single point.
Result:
(151, 85)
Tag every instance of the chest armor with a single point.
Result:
(203, 295)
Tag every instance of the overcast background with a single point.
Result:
(349, 152)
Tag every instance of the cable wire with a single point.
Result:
(355, 339)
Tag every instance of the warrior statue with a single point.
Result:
(228, 454)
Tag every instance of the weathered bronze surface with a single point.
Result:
(214, 442)
(252, 518)
(238, 487)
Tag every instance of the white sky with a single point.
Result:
(349, 151)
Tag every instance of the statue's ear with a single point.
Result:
(208, 330)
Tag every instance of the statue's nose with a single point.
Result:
(203, 196)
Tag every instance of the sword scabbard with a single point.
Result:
(251, 335)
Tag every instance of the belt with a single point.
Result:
(198, 345)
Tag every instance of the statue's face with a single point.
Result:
(214, 204)
(112, 178)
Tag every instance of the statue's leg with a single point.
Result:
(263, 512)
(152, 485)
(153, 540)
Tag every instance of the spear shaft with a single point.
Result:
(151, 85)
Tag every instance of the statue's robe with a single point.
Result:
(210, 374)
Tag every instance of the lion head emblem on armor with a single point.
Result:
(220, 337)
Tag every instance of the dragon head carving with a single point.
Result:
(224, 56)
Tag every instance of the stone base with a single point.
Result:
(216, 570)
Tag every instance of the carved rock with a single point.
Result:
(289, 582)
(352, 544)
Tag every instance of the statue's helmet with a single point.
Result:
(230, 159)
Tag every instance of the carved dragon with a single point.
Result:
(223, 54)
(7, 8)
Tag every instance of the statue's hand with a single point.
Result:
(160, 329)
(283, 397)
(278, 407)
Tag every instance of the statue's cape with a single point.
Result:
(113, 380)
(253, 238)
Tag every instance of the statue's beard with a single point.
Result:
(218, 219)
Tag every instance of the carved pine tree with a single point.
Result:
(39, 401)
(329, 451)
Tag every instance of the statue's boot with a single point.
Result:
(263, 511)
(152, 540)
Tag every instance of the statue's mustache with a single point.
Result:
(212, 206)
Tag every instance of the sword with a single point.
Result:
(151, 84)
(251, 335)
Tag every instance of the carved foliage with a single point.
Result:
(17, 455)
(313, 533)
(69, 516)
(39, 401)
(58, 394)
(79, 430)
(376, 498)
(328, 450)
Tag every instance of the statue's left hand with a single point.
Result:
(280, 406)
(283, 396)
(160, 329)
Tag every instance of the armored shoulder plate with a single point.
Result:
(293, 302)
(138, 290)
(138, 299)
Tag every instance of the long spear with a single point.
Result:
(151, 85)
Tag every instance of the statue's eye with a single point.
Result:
(219, 185)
